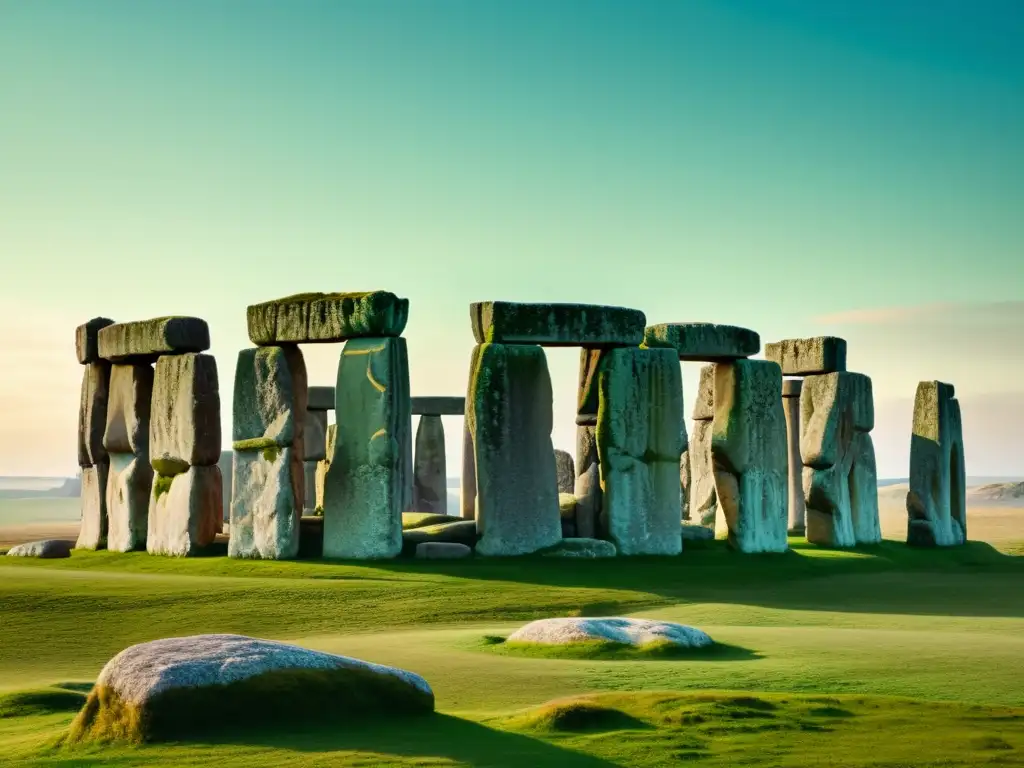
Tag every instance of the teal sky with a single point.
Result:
(853, 167)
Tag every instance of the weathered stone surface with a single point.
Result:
(808, 357)
(582, 548)
(366, 490)
(461, 532)
(144, 340)
(937, 499)
(309, 484)
(327, 317)
(792, 387)
(227, 471)
(832, 406)
(509, 413)
(129, 396)
(93, 531)
(46, 549)
(697, 533)
(587, 394)
(266, 504)
(320, 398)
(314, 436)
(438, 406)
(467, 483)
(588, 482)
(797, 509)
(704, 404)
(703, 341)
(128, 489)
(167, 689)
(87, 342)
(704, 507)
(842, 500)
(684, 481)
(635, 632)
(269, 407)
(442, 550)
(184, 425)
(430, 472)
(554, 325)
(639, 442)
(185, 511)
(412, 520)
(323, 466)
(565, 471)
(92, 414)
(749, 454)
(567, 507)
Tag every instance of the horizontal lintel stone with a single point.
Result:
(321, 318)
(808, 357)
(438, 406)
(708, 342)
(145, 340)
(556, 325)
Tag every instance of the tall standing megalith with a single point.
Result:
(791, 389)
(430, 468)
(92, 422)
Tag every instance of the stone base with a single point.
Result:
(128, 489)
(93, 532)
(266, 504)
(185, 512)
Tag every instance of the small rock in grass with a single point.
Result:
(579, 547)
(635, 632)
(442, 550)
(48, 548)
(698, 533)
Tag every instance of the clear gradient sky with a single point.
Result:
(853, 167)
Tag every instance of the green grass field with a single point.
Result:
(886, 657)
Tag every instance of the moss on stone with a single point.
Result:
(271, 452)
(254, 444)
(162, 484)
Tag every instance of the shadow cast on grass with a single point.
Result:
(430, 736)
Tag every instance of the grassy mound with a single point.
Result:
(603, 650)
(271, 700)
(577, 715)
(411, 520)
(45, 701)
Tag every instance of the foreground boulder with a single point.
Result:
(171, 688)
(48, 548)
(635, 632)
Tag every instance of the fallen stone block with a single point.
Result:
(369, 483)
(639, 443)
(622, 631)
(92, 414)
(92, 533)
(170, 689)
(937, 498)
(87, 342)
(509, 414)
(327, 317)
(460, 532)
(184, 425)
(438, 406)
(266, 504)
(430, 472)
(808, 357)
(46, 549)
(128, 489)
(581, 548)
(442, 550)
(697, 533)
(708, 342)
(572, 325)
(145, 340)
(749, 455)
(185, 512)
(130, 393)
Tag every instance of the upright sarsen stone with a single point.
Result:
(565, 471)
(128, 409)
(128, 489)
(704, 507)
(314, 437)
(467, 484)
(93, 531)
(430, 473)
(268, 429)
(749, 452)
(587, 489)
(791, 406)
(323, 466)
(126, 440)
(937, 500)
(92, 414)
(184, 427)
(87, 340)
(639, 442)
(185, 512)
(366, 488)
(508, 411)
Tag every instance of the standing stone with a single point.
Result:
(320, 398)
(836, 412)
(588, 482)
(323, 466)
(704, 507)
(467, 484)
(365, 492)
(639, 442)
(185, 511)
(309, 484)
(128, 409)
(93, 531)
(749, 452)
(314, 436)
(128, 489)
(430, 473)
(509, 414)
(808, 357)
(268, 429)
(587, 390)
(87, 346)
(565, 471)
(225, 464)
(92, 414)
(704, 404)
(791, 406)
(937, 500)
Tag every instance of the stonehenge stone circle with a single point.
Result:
(430, 474)
(749, 453)
(791, 406)
(369, 482)
(703, 342)
(327, 318)
(839, 476)
(509, 415)
(936, 501)
(639, 443)
(268, 426)
(808, 357)
(552, 325)
(93, 458)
